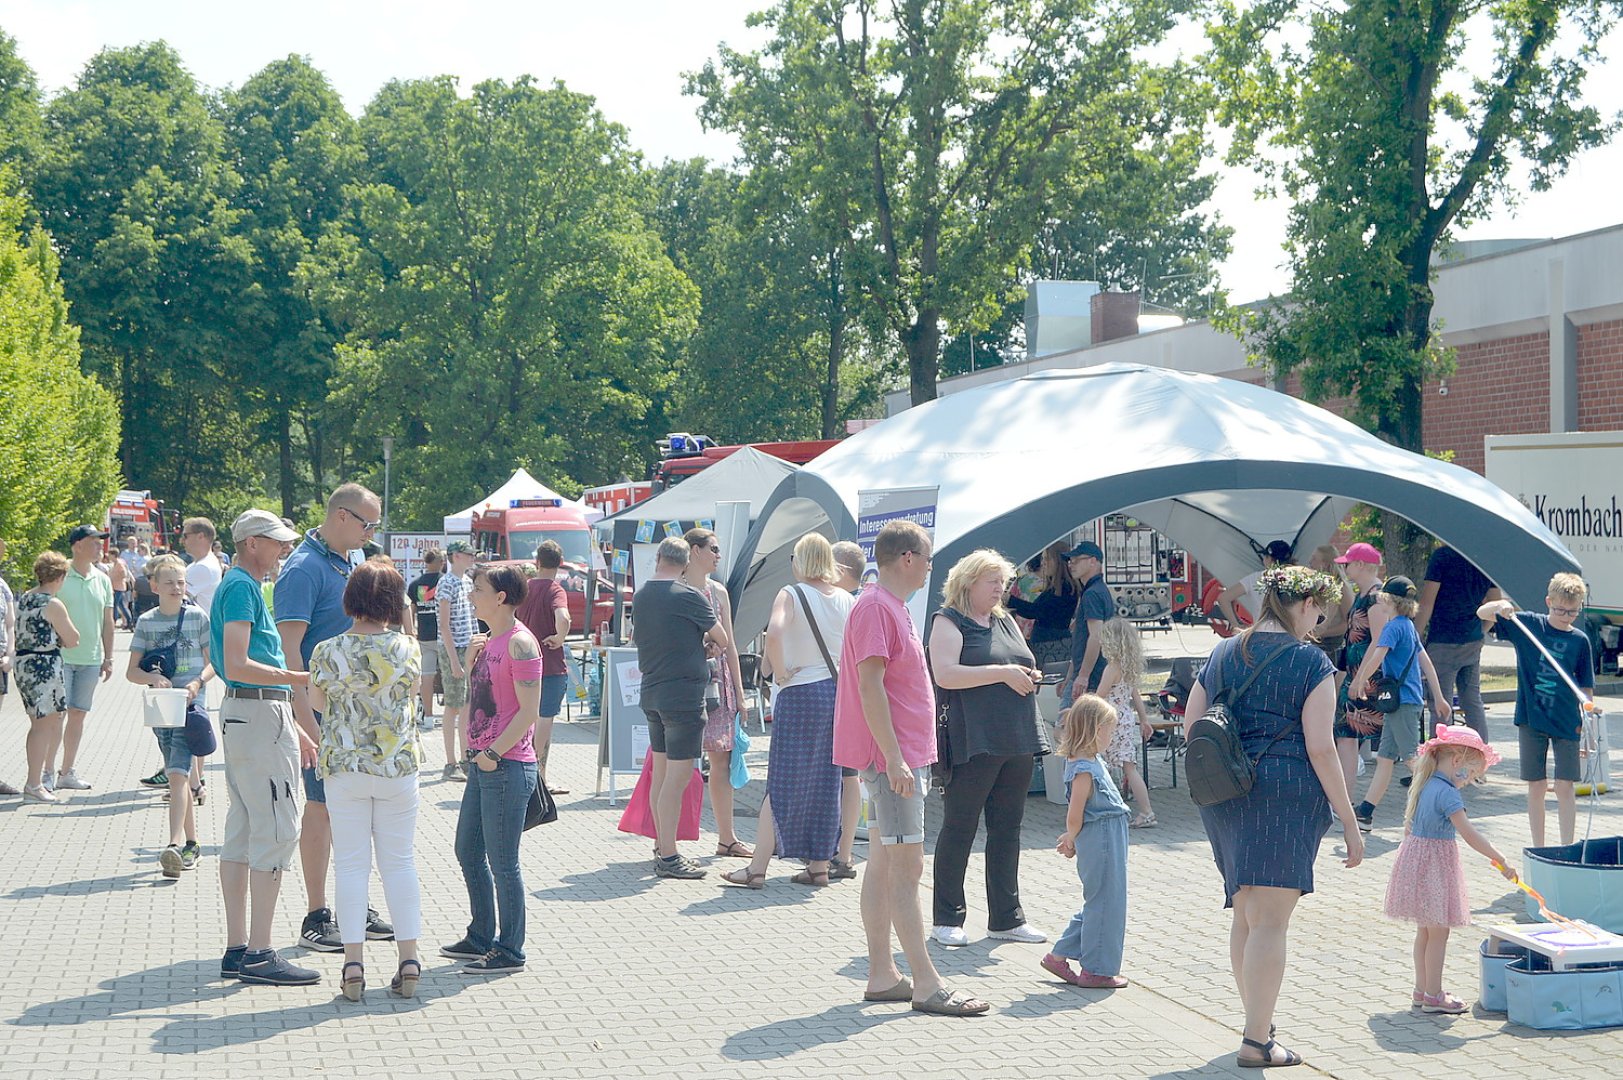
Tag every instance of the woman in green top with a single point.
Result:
(364, 682)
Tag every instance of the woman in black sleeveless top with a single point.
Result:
(986, 677)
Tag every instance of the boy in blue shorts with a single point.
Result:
(1548, 716)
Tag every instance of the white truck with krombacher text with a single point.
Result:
(1573, 482)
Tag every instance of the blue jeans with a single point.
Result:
(487, 836)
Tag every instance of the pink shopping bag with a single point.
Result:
(639, 814)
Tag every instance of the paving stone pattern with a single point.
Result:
(111, 970)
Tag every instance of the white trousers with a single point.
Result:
(374, 812)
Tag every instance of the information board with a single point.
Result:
(622, 737)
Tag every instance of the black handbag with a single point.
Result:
(543, 809)
(1385, 695)
(165, 658)
(1215, 761)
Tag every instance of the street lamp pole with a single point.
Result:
(388, 457)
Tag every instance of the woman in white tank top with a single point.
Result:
(800, 817)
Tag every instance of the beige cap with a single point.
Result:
(261, 523)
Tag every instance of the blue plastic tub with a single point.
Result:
(1575, 1000)
(1581, 881)
(1491, 990)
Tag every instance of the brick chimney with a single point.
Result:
(1115, 315)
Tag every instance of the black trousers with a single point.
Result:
(996, 786)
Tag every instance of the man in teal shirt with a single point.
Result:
(263, 747)
(87, 593)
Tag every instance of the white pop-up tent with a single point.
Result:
(521, 485)
(1217, 465)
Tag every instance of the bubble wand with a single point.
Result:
(1543, 909)
(1584, 704)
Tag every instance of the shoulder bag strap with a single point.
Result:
(817, 635)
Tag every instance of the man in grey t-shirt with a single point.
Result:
(674, 627)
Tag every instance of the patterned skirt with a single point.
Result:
(801, 778)
(1428, 884)
(718, 722)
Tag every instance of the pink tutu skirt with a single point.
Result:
(1428, 884)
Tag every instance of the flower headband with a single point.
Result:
(1294, 584)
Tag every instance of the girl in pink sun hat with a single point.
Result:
(1428, 880)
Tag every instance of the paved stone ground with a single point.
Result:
(111, 968)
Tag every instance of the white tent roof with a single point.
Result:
(1215, 464)
(746, 475)
(521, 485)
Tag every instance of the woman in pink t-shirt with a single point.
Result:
(504, 703)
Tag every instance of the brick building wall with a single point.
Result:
(1600, 376)
(1502, 387)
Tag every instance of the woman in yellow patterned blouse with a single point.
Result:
(365, 682)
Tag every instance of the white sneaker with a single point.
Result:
(37, 794)
(1024, 932)
(950, 935)
(68, 780)
(1360, 767)
(47, 780)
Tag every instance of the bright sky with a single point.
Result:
(630, 55)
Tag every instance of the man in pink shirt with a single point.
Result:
(884, 726)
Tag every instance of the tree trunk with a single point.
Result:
(922, 340)
(836, 349)
(284, 446)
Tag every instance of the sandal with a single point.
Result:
(902, 991)
(840, 871)
(198, 795)
(354, 985)
(735, 850)
(1142, 821)
(405, 984)
(742, 876)
(806, 877)
(1443, 1003)
(1267, 1060)
(557, 790)
(946, 1002)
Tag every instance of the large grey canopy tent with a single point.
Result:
(1217, 465)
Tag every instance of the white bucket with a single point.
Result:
(163, 708)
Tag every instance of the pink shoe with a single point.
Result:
(1442, 1003)
(1060, 966)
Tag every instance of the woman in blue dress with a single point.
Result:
(1265, 842)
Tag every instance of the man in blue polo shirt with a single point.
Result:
(309, 606)
(1086, 563)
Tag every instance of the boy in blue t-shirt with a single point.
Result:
(1397, 655)
(1548, 716)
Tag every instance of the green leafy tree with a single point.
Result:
(296, 148)
(774, 301)
(942, 129)
(136, 195)
(1368, 117)
(504, 300)
(58, 425)
(22, 128)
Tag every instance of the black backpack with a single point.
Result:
(1216, 764)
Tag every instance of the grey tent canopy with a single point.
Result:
(1215, 464)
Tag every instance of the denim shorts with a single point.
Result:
(80, 680)
(897, 820)
(553, 689)
(177, 756)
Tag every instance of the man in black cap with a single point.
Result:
(1277, 553)
(87, 593)
(1086, 563)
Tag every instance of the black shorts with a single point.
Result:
(847, 772)
(679, 734)
(1533, 746)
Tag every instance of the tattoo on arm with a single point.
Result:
(527, 682)
(524, 648)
